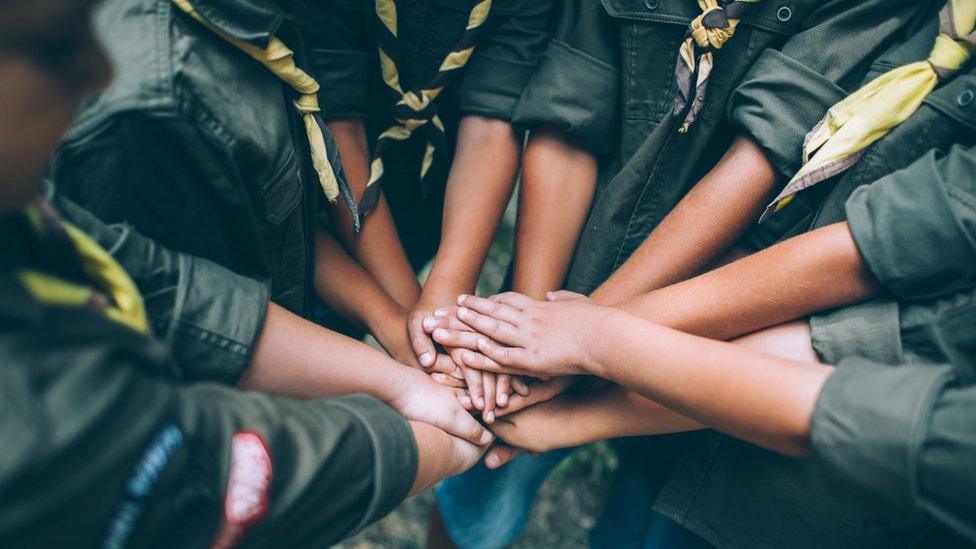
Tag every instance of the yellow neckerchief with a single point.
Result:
(280, 60)
(707, 33)
(415, 109)
(851, 126)
(123, 304)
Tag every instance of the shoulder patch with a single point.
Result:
(248, 484)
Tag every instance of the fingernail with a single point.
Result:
(465, 401)
(481, 403)
(486, 437)
(440, 333)
(426, 359)
(492, 461)
(430, 322)
(458, 373)
(489, 417)
(440, 312)
(438, 377)
(461, 299)
(503, 400)
(463, 311)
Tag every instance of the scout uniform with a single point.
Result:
(104, 446)
(786, 61)
(912, 219)
(210, 140)
(611, 79)
(409, 70)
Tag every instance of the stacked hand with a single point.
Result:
(513, 334)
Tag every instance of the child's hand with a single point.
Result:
(393, 337)
(488, 391)
(540, 428)
(524, 336)
(419, 398)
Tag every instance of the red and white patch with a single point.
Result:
(250, 477)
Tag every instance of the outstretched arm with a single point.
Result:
(816, 271)
(701, 228)
(296, 358)
(558, 181)
(377, 247)
(752, 395)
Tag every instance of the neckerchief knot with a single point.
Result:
(707, 33)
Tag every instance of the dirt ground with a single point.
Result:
(565, 510)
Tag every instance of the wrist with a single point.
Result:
(597, 341)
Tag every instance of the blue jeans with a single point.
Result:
(488, 509)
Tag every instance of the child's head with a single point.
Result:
(49, 61)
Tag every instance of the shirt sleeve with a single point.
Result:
(788, 90)
(503, 61)
(336, 33)
(902, 437)
(119, 458)
(916, 228)
(577, 81)
(209, 317)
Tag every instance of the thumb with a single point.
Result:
(564, 295)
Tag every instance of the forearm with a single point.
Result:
(297, 358)
(816, 271)
(754, 396)
(432, 447)
(346, 288)
(558, 181)
(615, 412)
(478, 188)
(377, 247)
(705, 224)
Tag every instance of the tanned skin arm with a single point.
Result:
(377, 247)
(479, 185)
(558, 182)
(816, 271)
(704, 225)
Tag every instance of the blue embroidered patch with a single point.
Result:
(150, 466)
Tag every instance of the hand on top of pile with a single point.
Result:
(514, 334)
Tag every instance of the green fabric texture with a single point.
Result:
(795, 60)
(197, 146)
(901, 438)
(106, 441)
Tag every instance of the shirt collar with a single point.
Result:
(254, 21)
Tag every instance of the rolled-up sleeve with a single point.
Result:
(504, 60)
(916, 228)
(209, 317)
(339, 46)
(154, 463)
(903, 437)
(576, 86)
(787, 91)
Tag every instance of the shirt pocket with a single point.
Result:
(283, 191)
(651, 33)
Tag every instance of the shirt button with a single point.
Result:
(784, 14)
(652, 4)
(965, 98)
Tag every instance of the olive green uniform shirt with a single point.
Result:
(197, 145)
(913, 216)
(608, 79)
(108, 443)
